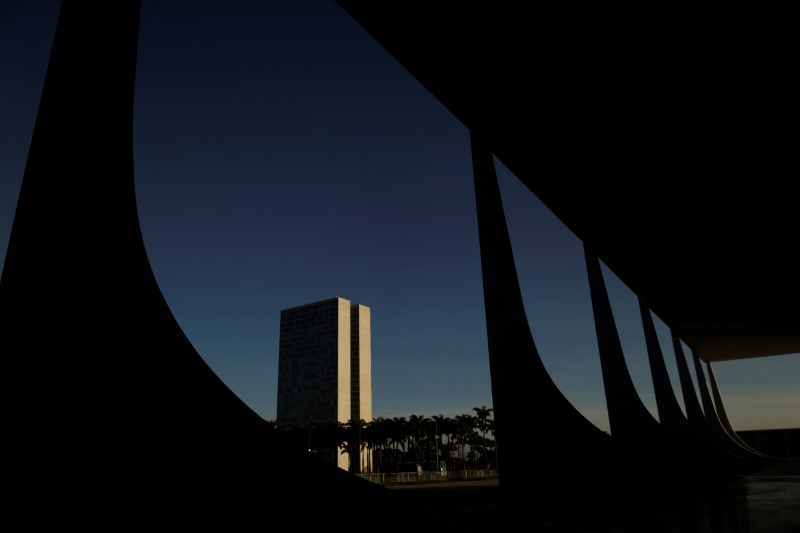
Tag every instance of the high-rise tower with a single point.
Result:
(325, 368)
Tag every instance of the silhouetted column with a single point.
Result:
(722, 414)
(708, 456)
(109, 413)
(669, 410)
(708, 405)
(521, 386)
(694, 413)
(629, 418)
(712, 418)
(75, 236)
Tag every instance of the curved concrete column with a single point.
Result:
(722, 415)
(669, 450)
(679, 452)
(697, 419)
(109, 412)
(629, 418)
(694, 413)
(670, 414)
(568, 444)
(669, 410)
(705, 398)
(645, 440)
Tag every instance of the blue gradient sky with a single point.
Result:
(283, 157)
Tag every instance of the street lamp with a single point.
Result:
(436, 443)
(309, 437)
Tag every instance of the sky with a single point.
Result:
(282, 157)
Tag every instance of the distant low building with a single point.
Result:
(773, 442)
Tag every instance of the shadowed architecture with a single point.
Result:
(656, 137)
(516, 367)
(110, 415)
(656, 147)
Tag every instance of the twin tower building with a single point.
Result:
(325, 368)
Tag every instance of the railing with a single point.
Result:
(413, 477)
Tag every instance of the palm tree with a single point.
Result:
(368, 444)
(352, 445)
(439, 422)
(395, 437)
(465, 433)
(399, 435)
(326, 439)
(416, 423)
(491, 426)
(379, 439)
(449, 427)
(344, 442)
(482, 414)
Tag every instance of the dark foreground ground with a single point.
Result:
(767, 501)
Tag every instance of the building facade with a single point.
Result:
(325, 368)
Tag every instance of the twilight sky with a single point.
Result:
(283, 157)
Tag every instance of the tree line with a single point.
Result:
(464, 441)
